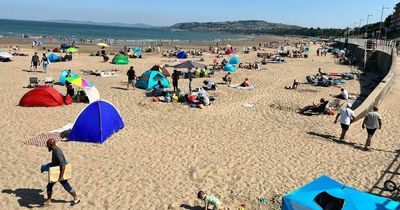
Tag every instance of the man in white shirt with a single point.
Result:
(344, 94)
(372, 121)
(346, 117)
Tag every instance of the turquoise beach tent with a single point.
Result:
(96, 123)
(234, 60)
(137, 51)
(63, 76)
(53, 57)
(120, 59)
(325, 192)
(150, 78)
(229, 68)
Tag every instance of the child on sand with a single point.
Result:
(209, 200)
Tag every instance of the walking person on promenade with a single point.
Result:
(372, 122)
(346, 117)
(58, 159)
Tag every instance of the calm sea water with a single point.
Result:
(37, 28)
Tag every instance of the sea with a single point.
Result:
(99, 32)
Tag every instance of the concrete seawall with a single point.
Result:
(379, 62)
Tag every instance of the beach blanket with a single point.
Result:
(251, 87)
(42, 139)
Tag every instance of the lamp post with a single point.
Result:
(359, 27)
(366, 26)
(380, 25)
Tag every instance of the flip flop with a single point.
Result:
(75, 202)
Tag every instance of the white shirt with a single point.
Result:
(345, 116)
(373, 120)
(345, 94)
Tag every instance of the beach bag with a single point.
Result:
(68, 100)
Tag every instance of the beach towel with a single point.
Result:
(251, 87)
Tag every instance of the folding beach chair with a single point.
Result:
(33, 82)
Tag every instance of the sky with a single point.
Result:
(307, 13)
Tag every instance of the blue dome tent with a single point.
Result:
(182, 55)
(63, 76)
(53, 57)
(64, 46)
(234, 60)
(96, 123)
(325, 192)
(229, 68)
(150, 78)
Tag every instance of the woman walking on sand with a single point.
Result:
(45, 62)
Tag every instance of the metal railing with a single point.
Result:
(372, 44)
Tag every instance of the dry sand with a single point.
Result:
(167, 152)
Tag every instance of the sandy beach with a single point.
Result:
(168, 152)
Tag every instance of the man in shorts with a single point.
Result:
(58, 159)
(346, 117)
(372, 121)
(35, 61)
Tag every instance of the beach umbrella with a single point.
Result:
(92, 93)
(6, 55)
(78, 81)
(102, 44)
(72, 50)
(189, 65)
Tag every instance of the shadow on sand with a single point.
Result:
(185, 206)
(30, 198)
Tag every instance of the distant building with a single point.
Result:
(395, 21)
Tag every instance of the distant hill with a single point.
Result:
(135, 25)
(244, 27)
(258, 27)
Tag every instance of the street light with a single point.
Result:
(359, 27)
(380, 25)
(366, 26)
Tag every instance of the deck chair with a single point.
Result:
(49, 81)
(33, 82)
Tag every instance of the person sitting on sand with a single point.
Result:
(105, 58)
(158, 90)
(344, 95)
(209, 200)
(319, 108)
(294, 86)
(245, 83)
(227, 78)
(321, 72)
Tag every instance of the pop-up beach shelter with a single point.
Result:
(190, 65)
(120, 59)
(161, 69)
(229, 68)
(150, 78)
(96, 123)
(234, 60)
(53, 57)
(326, 193)
(182, 55)
(63, 76)
(137, 51)
(42, 96)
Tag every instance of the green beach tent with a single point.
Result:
(120, 59)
